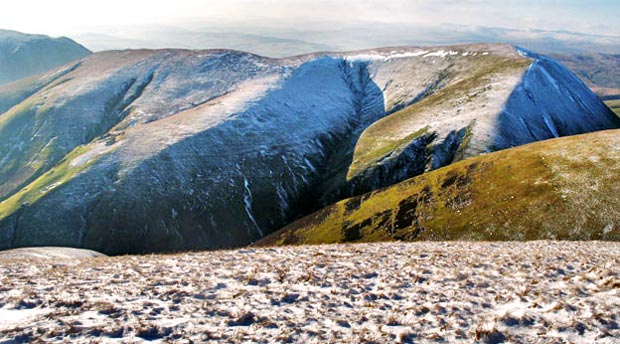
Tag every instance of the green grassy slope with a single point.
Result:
(564, 188)
(614, 105)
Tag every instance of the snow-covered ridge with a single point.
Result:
(162, 150)
(525, 98)
(384, 55)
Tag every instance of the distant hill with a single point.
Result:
(564, 188)
(287, 38)
(157, 38)
(23, 55)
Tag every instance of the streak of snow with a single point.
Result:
(438, 53)
(366, 57)
(247, 200)
(407, 54)
(391, 56)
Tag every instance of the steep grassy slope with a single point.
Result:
(48, 116)
(23, 55)
(141, 151)
(563, 188)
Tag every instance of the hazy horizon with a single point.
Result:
(70, 17)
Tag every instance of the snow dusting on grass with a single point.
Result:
(388, 292)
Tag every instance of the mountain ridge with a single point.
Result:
(178, 149)
(558, 189)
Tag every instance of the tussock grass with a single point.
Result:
(457, 292)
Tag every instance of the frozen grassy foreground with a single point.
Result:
(544, 292)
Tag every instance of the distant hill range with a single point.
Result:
(163, 150)
(594, 58)
(23, 55)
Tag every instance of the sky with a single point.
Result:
(70, 17)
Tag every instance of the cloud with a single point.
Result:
(70, 16)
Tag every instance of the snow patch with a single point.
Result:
(382, 57)
(523, 53)
(438, 53)
(441, 53)
(407, 54)
(550, 125)
(365, 57)
(11, 318)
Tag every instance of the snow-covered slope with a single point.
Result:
(51, 253)
(495, 102)
(455, 292)
(23, 55)
(133, 151)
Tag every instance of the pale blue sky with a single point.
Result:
(67, 17)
